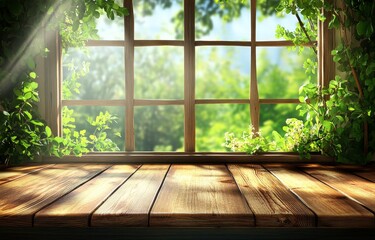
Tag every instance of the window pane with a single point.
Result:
(222, 72)
(222, 21)
(273, 117)
(159, 72)
(158, 19)
(94, 73)
(280, 71)
(268, 19)
(214, 120)
(159, 128)
(84, 119)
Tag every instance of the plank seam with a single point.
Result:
(110, 194)
(242, 194)
(156, 196)
(79, 185)
(358, 175)
(295, 195)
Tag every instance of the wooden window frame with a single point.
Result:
(53, 92)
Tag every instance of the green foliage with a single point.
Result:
(249, 142)
(344, 110)
(297, 138)
(77, 19)
(339, 119)
(23, 135)
(79, 142)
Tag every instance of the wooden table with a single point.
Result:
(188, 196)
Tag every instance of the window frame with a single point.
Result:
(189, 43)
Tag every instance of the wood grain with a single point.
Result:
(332, 208)
(366, 173)
(10, 174)
(129, 76)
(131, 203)
(200, 196)
(74, 209)
(357, 188)
(254, 94)
(23, 197)
(271, 202)
(189, 76)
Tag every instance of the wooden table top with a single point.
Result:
(187, 195)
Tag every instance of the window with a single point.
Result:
(178, 76)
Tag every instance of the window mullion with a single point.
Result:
(129, 77)
(254, 96)
(189, 74)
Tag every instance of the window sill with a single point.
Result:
(198, 157)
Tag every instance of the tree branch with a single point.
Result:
(304, 30)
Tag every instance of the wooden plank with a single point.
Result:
(131, 203)
(357, 188)
(23, 197)
(10, 174)
(272, 203)
(333, 209)
(75, 208)
(200, 196)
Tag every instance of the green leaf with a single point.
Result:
(48, 131)
(28, 114)
(361, 28)
(6, 113)
(327, 125)
(32, 75)
(340, 118)
(37, 123)
(58, 139)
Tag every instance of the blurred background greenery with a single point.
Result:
(221, 73)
